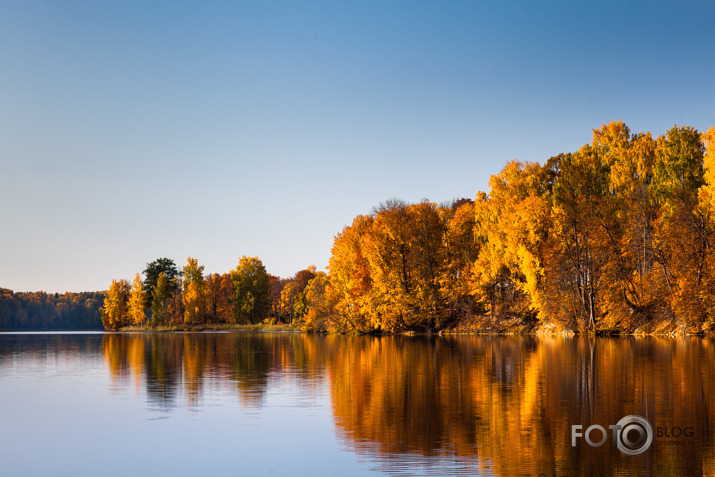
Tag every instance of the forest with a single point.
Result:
(612, 238)
(615, 237)
(42, 311)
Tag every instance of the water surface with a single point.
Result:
(293, 404)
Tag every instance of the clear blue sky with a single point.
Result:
(133, 130)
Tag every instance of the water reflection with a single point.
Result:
(443, 405)
(184, 362)
(40, 350)
(513, 400)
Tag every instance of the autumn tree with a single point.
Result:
(350, 280)
(219, 298)
(706, 207)
(631, 288)
(175, 309)
(115, 310)
(277, 312)
(136, 311)
(429, 263)
(387, 247)
(212, 285)
(706, 193)
(194, 287)
(251, 286)
(293, 303)
(386, 269)
(511, 225)
(577, 251)
(159, 303)
(404, 250)
(320, 304)
(461, 251)
(681, 233)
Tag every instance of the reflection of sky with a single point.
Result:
(65, 415)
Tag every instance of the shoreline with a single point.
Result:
(228, 327)
(477, 328)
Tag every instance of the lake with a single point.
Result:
(292, 404)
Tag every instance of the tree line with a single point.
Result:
(612, 237)
(50, 311)
(170, 296)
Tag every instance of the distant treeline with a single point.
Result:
(615, 237)
(40, 311)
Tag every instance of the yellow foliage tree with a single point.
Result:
(707, 209)
(252, 290)
(626, 215)
(193, 298)
(321, 314)
(136, 312)
(404, 251)
(115, 310)
(681, 233)
(511, 224)
(460, 251)
(579, 241)
(350, 280)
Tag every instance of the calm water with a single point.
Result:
(290, 404)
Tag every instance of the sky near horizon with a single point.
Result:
(136, 130)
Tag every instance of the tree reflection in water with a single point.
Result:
(503, 404)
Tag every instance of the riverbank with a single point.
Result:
(253, 328)
(485, 325)
(476, 325)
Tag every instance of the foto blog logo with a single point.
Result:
(633, 435)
